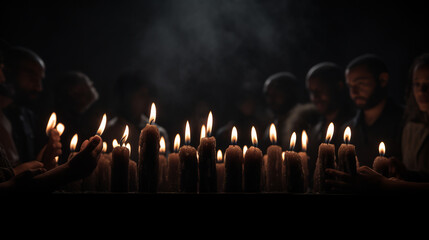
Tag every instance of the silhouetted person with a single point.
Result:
(378, 118)
(329, 94)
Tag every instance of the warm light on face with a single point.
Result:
(304, 140)
(73, 143)
(152, 117)
(203, 131)
(219, 156)
(177, 143)
(273, 134)
(234, 136)
(115, 143)
(209, 124)
(102, 125)
(382, 149)
(330, 133)
(244, 150)
(60, 128)
(162, 145)
(254, 137)
(292, 141)
(51, 123)
(187, 133)
(347, 135)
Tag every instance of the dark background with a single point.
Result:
(205, 50)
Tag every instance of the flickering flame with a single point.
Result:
(273, 134)
(60, 128)
(234, 136)
(152, 117)
(382, 149)
(347, 134)
(283, 156)
(51, 123)
(73, 143)
(115, 143)
(304, 140)
(219, 156)
(203, 131)
(102, 125)
(129, 148)
(209, 124)
(292, 141)
(57, 158)
(162, 145)
(254, 137)
(125, 135)
(329, 133)
(177, 143)
(187, 134)
(104, 149)
(244, 150)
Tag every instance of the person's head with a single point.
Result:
(280, 92)
(325, 84)
(367, 78)
(25, 70)
(418, 88)
(75, 91)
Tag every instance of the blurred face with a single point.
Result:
(421, 87)
(321, 95)
(29, 79)
(362, 87)
(83, 95)
(278, 100)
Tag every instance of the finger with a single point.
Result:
(34, 164)
(93, 144)
(338, 184)
(336, 173)
(84, 144)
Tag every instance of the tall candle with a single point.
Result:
(325, 159)
(149, 155)
(188, 164)
(174, 167)
(233, 165)
(220, 171)
(304, 157)
(120, 165)
(381, 163)
(207, 159)
(274, 163)
(347, 160)
(103, 170)
(75, 186)
(294, 174)
(253, 165)
(162, 167)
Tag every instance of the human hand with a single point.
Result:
(85, 161)
(23, 181)
(27, 166)
(51, 150)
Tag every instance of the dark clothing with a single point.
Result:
(6, 170)
(387, 128)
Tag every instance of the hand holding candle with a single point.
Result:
(53, 148)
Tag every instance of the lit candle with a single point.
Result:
(304, 157)
(103, 169)
(220, 171)
(102, 125)
(207, 158)
(233, 165)
(188, 164)
(49, 157)
(75, 186)
(347, 160)
(381, 163)
(274, 163)
(252, 165)
(294, 174)
(149, 155)
(51, 123)
(325, 159)
(120, 162)
(162, 167)
(174, 167)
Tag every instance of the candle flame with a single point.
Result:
(234, 136)
(152, 117)
(51, 123)
(187, 133)
(273, 134)
(330, 132)
(244, 150)
(115, 143)
(209, 124)
(219, 156)
(177, 143)
(162, 145)
(283, 156)
(129, 148)
(347, 134)
(57, 158)
(60, 128)
(304, 140)
(102, 125)
(292, 141)
(382, 149)
(203, 131)
(73, 143)
(104, 149)
(254, 137)
(125, 135)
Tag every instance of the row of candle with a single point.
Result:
(202, 170)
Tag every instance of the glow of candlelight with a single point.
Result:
(273, 134)
(234, 136)
(51, 123)
(292, 141)
(125, 135)
(254, 137)
(203, 131)
(152, 117)
(162, 145)
(187, 133)
(60, 128)
(209, 124)
(330, 133)
(347, 135)
(102, 125)
(219, 156)
(382, 149)
(244, 150)
(73, 143)
(304, 140)
(177, 143)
